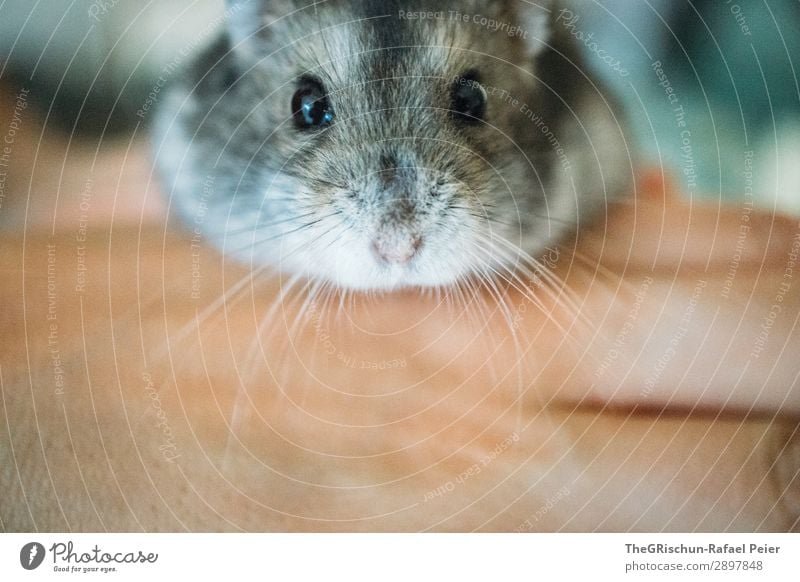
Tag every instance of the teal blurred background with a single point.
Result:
(733, 68)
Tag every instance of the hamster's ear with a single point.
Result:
(536, 17)
(249, 21)
(244, 18)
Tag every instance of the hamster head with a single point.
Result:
(377, 144)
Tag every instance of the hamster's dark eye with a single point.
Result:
(469, 98)
(311, 107)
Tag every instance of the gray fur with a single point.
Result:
(394, 172)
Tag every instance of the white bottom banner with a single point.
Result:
(390, 557)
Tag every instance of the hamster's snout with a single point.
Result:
(396, 239)
(397, 206)
(397, 250)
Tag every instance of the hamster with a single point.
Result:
(381, 145)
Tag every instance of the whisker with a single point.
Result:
(257, 243)
(541, 271)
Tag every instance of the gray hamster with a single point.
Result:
(381, 144)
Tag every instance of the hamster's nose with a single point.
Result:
(398, 252)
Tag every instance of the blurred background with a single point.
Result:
(710, 86)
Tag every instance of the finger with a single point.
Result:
(674, 234)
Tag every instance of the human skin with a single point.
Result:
(403, 412)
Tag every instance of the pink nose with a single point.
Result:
(397, 252)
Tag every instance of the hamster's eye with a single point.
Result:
(310, 106)
(469, 98)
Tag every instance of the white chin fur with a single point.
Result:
(349, 264)
(349, 268)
